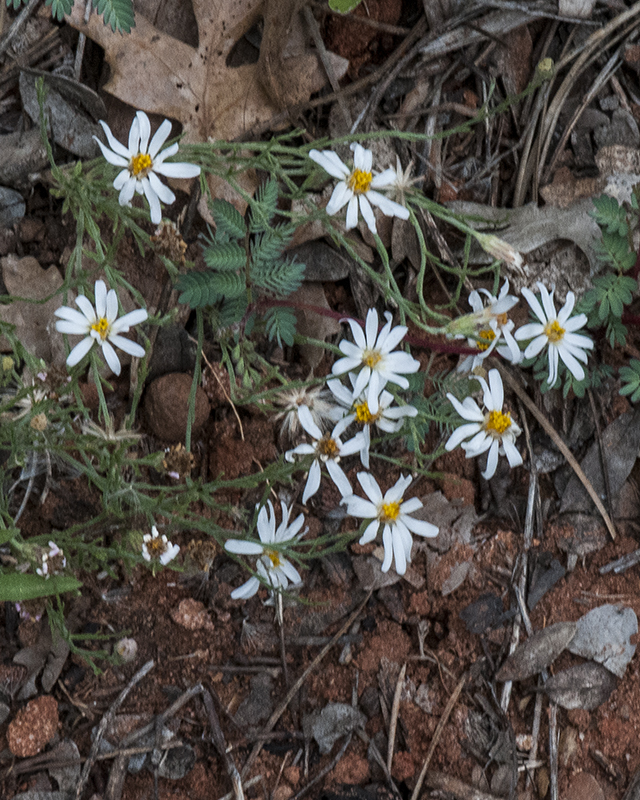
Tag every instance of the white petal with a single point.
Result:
(511, 451)
(114, 144)
(399, 553)
(536, 346)
(460, 434)
(145, 130)
(308, 423)
(127, 346)
(370, 487)
(87, 309)
(567, 308)
(420, 527)
(339, 198)
(492, 461)
(313, 482)
(547, 302)
(159, 138)
(164, 192)
(573, 365)
(244, 547)
(177, 169)
(384, 179)
(339, 478)
(113, 158)
(155, 212)
(123, 324)
(468, 409)
(370, 532)
(111, 358)
(79, 351)
(359, 507)
(247, 589)
(330, 162)
(367, 213)
(110, 306)
(290, 571)
(352, 213)
(387, 542)
(388, 207)
(534, 304)
(497, 390)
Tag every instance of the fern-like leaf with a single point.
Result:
(610, 215)
(224, 257)
(280, 278)
(117, 13)
(614, 249)
(280, 324)
(200, 289)
(59, 8)
(264, 206)
(630, 377)
(228, 219)
(268, 247)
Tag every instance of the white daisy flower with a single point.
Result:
(158, 547)
(557, 331)
(394, 515)
(494, 327)
(328, 449)
(272, 567)
(356, 409)
(356, 187)
(372, 352)
(100, 325)
(142, 163)
(490, 429)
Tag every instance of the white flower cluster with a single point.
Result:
(491, 329)
(158, 548)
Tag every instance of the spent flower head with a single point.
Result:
(500, 250)
(142, 162)
(327, 449)
(274, 569)
(100, 325)
(491, 429)
(394, 515)
(356, 187)
(372, 354)
(555, 330)
(52, 561)
(315, 398)
(158, 548)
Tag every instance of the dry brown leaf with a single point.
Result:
(160, 74)
(25, 278)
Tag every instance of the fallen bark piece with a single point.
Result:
(537, 652)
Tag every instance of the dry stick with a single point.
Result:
(559, 443)
(314, 30)
(82, 41)
(395, 709)
(219, 743)
(334, 763)
(248, 785)
(19, 22)
(603, 460)
(440, 782)
(553, 751)
(438, 733)
(594, 42)
(104, 724)
(273, 719)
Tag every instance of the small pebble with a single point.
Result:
(33, 726)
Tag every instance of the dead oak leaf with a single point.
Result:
(158, 73)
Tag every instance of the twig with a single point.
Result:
(104, 724)
(559, 443)
(603, 459)
(82, 41)
(19, 22)
(395, 709)
(440, 782)
(553, 751)
(314, 30)
(217, 738)
(334, 763)
(273, 719)
(223, 390)
(438, 733)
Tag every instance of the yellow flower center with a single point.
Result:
(140, 165)
(101, 326)
(156, 547)
(390, 512)
(274, 557)
(486, 336)
(328, 447)
(363, 415)
(359, 181)
(496, 423)
(554, 332)
(371, 358)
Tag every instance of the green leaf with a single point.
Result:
(200, 289)
(343, 6)
(610, 215)
(630, 377)
(228, 220)
(7, 534)
(281, 278)
(264, 206)
(117, 13)
(16, 587)
(614, 249)
(59, 8)
(280, 324)
(222, 257)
